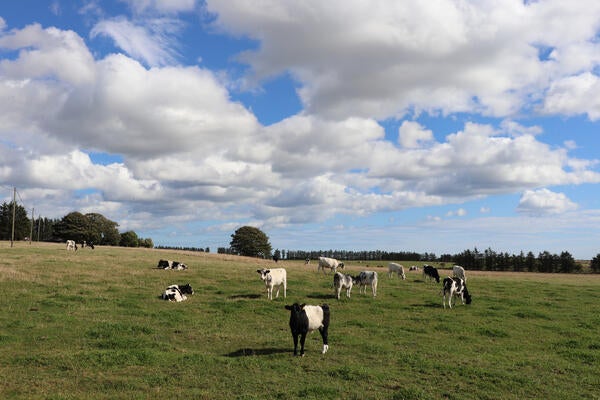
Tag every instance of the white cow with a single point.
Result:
(71, 245)
(274, 277)
(459, 272)
(331, 263)
(341, 281)
(394, 268)
(367, 278)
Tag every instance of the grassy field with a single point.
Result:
(91, 325)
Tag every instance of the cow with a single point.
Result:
(177, 293)
(398, 269)
(306, 318)
(168, 264)
(459, 272)
(367, 278)
(430, 272)
(331, 263)
(455, 287)
(71, 245)
(307, 261)
(341, 281)
(274, 277)
(413, 268)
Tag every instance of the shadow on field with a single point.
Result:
(257, 352)
(245, 296)
(320, 296)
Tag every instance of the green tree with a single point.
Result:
(250, 241)
(595, 264)
(22, 222)
(129, 239)
(73, 226)
(101, 230)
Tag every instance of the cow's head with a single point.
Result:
(295, 308)
(263, 273)
(467, 296)
(186, 289)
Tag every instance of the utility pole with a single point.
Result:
(31, 230)
(12, 237)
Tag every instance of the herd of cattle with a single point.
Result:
(306, 318)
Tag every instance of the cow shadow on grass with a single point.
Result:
(245, 296)
(257, 352)
(320, 296)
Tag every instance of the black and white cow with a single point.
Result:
(367, 278)
(341, 281)
(430, 272)
(71, 245)
(304, 319)
(455, 287)
(177, 292)
(168, 264)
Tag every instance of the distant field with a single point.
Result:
(91, 325)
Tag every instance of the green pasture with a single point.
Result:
(91, 325)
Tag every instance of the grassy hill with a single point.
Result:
(92, 325)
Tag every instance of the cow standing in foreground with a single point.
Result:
(455, 287)
(341, 281)
(304, 319)
(331, 263)
(430, 272)
(398, 269)
(274, 277)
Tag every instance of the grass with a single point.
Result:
(91, 325)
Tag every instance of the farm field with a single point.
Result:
(91, 325)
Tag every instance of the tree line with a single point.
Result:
(91, 228)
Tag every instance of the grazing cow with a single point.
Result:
(397, 269)
(304, 319)
(71, 245)
(459, 272)
(430, 272)
(331, 263)
(274, 277)
(341, 281)
(455, 287)
(367, 278)
(177, 292)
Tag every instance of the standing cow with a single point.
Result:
(304, 319)
(430, 272)
(341, 281)
(394, 268)
(455, 287)
(330, 263)
(274, 277)
(367, 278)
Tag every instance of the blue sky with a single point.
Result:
(404, 126)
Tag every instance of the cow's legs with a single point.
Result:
(295, 336)
(302, 339)
(323, 332)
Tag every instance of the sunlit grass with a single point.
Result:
(91, 325)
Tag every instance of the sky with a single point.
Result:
(434, 126)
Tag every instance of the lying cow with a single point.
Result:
(459, 272)
(398, 269)
(341, 281)
(177, 292)
(455, 287)
(274, 277)
(304, 319)
(430, 272)
(168, 264)
(367, 278)
(330, 263)
(413, 268)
